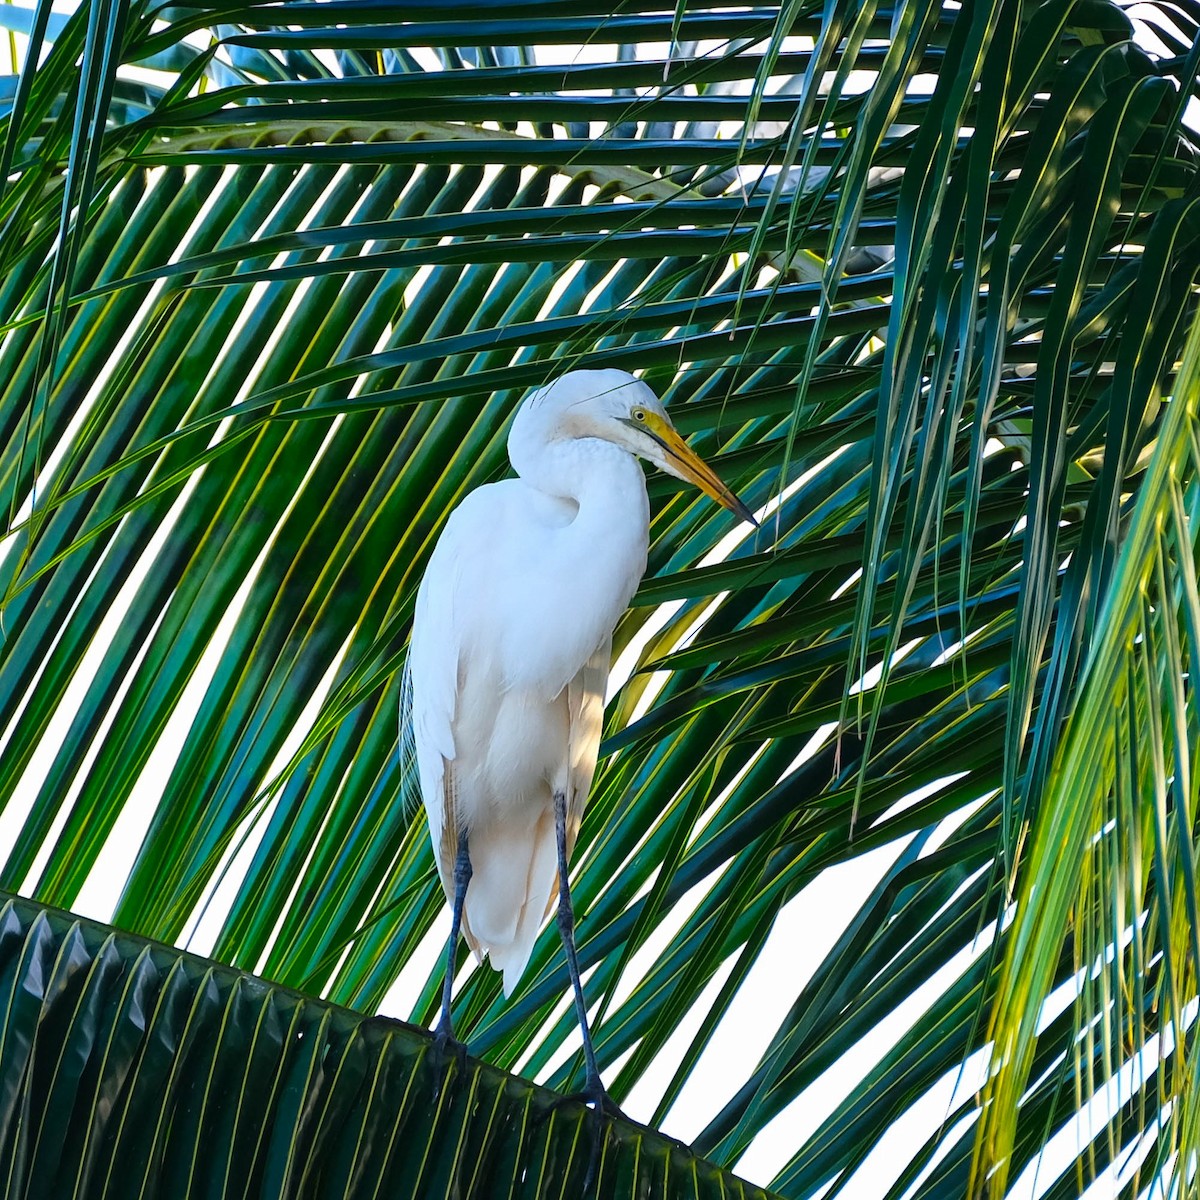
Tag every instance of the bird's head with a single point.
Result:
(620, 408)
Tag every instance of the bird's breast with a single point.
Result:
(512, 745)
(563, 594)
(542, 578)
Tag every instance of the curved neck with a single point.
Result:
(595, 556)
(598, 476)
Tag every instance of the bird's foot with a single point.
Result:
(595, 1096)
(448, 1053)
(602, 1109)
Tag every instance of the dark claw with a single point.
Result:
(601, 1108)
(595, 1096)
(448, 1053)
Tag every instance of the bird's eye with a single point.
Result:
(639, 414)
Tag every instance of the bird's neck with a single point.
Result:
(597, 556)
(605, 482)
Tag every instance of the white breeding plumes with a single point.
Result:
(510, 654)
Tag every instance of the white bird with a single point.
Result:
(510, 652)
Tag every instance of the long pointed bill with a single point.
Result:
(693, 468)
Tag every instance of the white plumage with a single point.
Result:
(511, 644)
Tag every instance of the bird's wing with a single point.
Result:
(434, 654)
(433, 666)
(585, 701)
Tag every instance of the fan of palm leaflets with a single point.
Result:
(133, 1070)
(918, 277)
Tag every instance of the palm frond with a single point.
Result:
(1111, 872)
(137, 1070)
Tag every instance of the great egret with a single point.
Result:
(510, 654)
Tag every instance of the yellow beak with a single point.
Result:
(693, 467)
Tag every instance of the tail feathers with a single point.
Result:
(473, 942)
(511, 960)
(513, 874)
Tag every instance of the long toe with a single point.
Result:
(595, 1096)
(448, 1058)
(602, 1109)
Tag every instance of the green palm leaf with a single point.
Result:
(136, 1070)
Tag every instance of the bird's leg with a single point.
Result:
(444, 1038)
(594, 1092)
(462, 876)
(593, 1088)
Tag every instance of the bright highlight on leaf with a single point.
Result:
(1109, 895)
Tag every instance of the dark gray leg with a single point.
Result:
(444, 1038)
(566, 928)
(593, 1088)
(462, 876)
